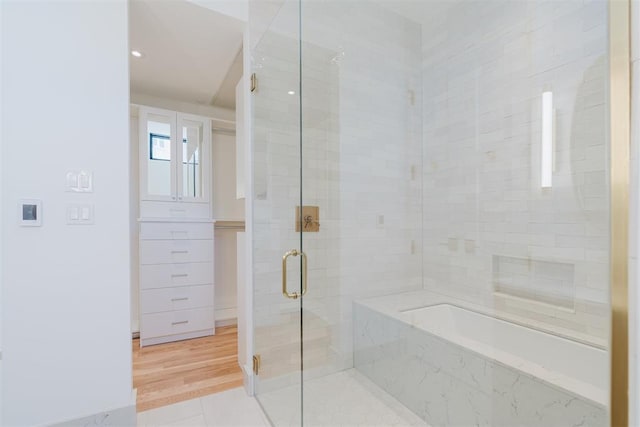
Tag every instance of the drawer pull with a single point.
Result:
(180, 275)
(179, 299)
(180, 323)
(179, 252)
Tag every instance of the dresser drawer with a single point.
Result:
(175, 322)
(174, 251)
(179, 298)
(171, 275)
(176, 230)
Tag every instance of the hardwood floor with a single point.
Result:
(173, 372)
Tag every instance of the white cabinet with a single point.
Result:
(176, 232)
(176, 280)
(175, 163)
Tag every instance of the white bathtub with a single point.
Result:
(568, 364)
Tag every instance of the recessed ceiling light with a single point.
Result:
(136, 53)
(291, 92)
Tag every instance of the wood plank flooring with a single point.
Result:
(173, 372)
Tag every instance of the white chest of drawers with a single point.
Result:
(176, 280)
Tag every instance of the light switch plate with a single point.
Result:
(79, 181)
(79, 214)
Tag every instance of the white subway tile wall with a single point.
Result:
(485, 67)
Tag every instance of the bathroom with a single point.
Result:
(439, 206)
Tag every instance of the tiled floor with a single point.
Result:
(231, 408)
(343, 399)
(346, 398)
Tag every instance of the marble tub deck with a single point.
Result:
(391, 305)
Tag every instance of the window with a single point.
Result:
(159, 147)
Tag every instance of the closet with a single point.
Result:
(176, 230)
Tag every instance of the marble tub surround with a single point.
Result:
(448, 384)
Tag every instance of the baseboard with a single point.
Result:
(247, 379)
(119, 417)
(226, 322)
(177, 337)
(226, 313)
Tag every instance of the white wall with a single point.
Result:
(225, 204)
(226, 278)
(67, 344)
(225, 207)
(238, 9)
(134, 214)
(183, 107)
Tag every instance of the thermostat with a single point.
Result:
(30, 212)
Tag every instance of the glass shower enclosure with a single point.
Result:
(433, 211)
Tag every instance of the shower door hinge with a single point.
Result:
(256, 364)
(254, 82)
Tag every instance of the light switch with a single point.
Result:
(85, 214)
(79, 182)
(85, 181)
(72, 181)
(79, 214)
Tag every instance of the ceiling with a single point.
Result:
(190, 53)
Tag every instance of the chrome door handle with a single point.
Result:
(294, 295)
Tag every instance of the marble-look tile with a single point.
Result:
(166, 415)
(446, 384)
(342, 399)
(484, 69)
(232, 408)
(197, 421)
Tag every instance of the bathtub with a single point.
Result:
(459, 367)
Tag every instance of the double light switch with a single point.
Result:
(79, 182)
(79, 214)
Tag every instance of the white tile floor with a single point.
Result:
(346, 398)
(231, 408)
(343, 399)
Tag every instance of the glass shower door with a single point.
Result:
(279, 264)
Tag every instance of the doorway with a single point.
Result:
(185, 64)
